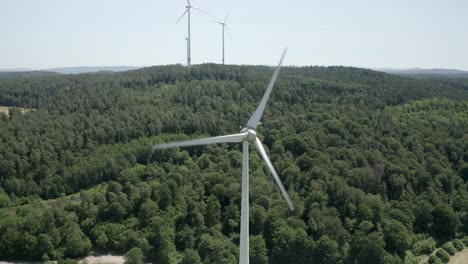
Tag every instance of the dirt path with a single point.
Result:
(5, 109)
(18, 262)
(104, 259)
(460, 257)
(101, 259)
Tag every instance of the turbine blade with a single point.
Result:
(181, 16)
(253, 121)
(188, 2)
(198, 9)
(225, 19)
(264, 155)
(227, 30)
(235, 138)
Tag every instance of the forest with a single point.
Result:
(376, 166)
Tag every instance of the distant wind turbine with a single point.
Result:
(189, 6)
(247, 134)
(188, 45)
(224, 27)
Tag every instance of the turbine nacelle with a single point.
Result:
(251, 133)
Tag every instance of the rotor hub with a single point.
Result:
(251, 133)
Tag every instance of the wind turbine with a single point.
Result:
(188, 47)
(223, 25)
(247, 135)
(189, 6)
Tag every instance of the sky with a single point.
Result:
(41, 34)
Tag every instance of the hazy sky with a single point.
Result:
(41, 34)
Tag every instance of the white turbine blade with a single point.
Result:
(198, 9)
(253, 121)
(264, 155)
(227, 30)
(235, 138)
(181, 16)
(225, 19)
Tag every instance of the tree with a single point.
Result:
(76, 243)
(463, 172)
(424, 246)
(185, 238)
(257, 219)
(291, 245)
(327, 251)
(396, 236)
(161, 238)
(367, 249)
(258, 250)
(212, 211)
(134, 256)
(216, 249)
(423, 216)
(191, 257)
(445, 221)
(443, 255)
(45, 245)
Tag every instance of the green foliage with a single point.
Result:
(327, 251)
(433, 259)
(463, 171)
(161, 239)
(372, 162)
(449, 248)
(425, 246)
(213, 212)
(443, 255)
(423, 215)
(458, 244)
(69, 261)
(76, 243)
(291, 245)
(410, 258)
(367, 249)
(191, 257)
(445, 221)
(134, 256)
(258, 253)
(216, 249)
(396, 236)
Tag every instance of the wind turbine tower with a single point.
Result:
(247, 135)
(189, 38)
(188, 49)
(224, 27)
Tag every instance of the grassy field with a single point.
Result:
(4, 109)
(460, 257)
(54, 202)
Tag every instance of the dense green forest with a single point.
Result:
(376, 165)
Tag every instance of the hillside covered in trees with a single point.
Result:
(376, 165)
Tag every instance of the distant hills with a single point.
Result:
(86, 69)
(76, 70)
(24, 72)
(418, 71)
(8, 75)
